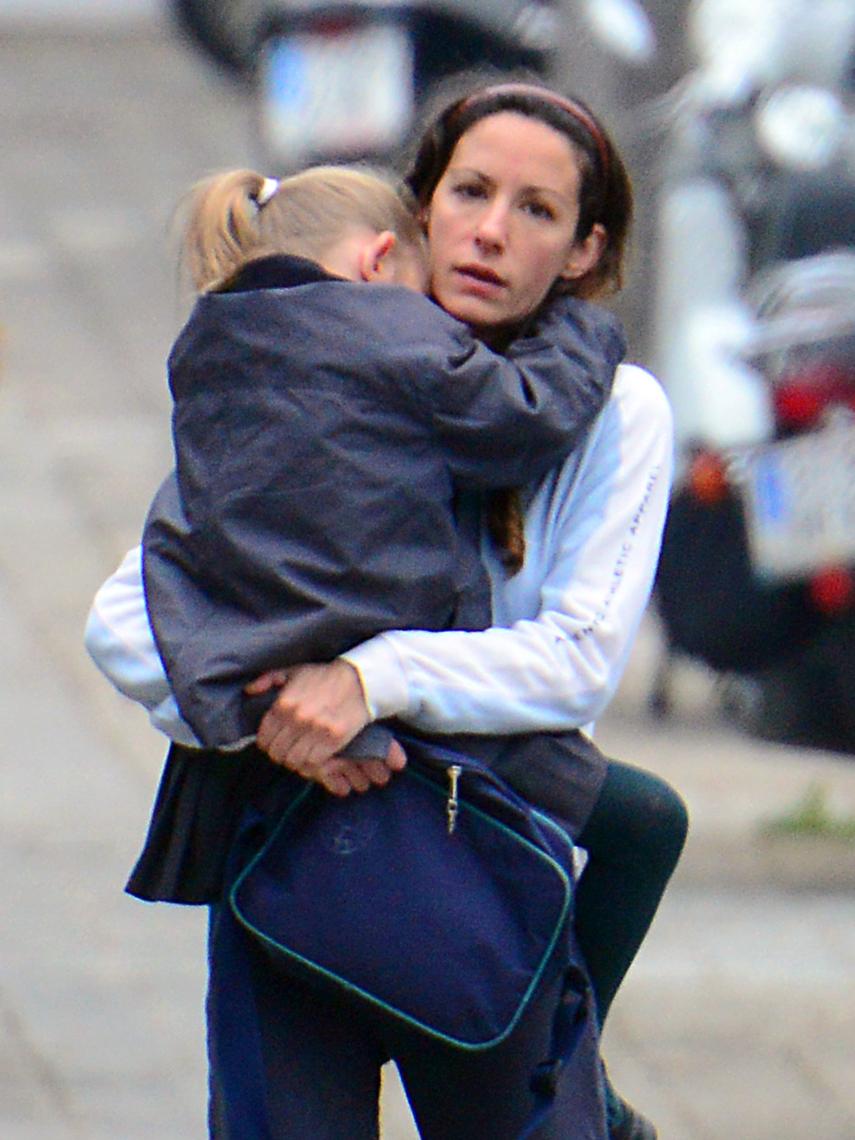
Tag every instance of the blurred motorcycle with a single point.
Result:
(343, 80)
(223, 29)
(755, 330)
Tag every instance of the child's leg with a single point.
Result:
(632, 826)
(633, 838)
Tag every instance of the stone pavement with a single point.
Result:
(737, 1021)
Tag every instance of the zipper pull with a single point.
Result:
(452, 803)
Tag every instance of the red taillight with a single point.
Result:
(797, 406)
(802, 397)
(832, 591)
(332, 25)
(707, 479)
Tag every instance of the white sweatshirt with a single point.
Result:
(564, 625)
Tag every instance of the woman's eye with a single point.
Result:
(540, 210)
(470, 190)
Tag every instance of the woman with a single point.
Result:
(513, 182)
(591, 536)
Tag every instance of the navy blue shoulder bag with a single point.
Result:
(443, 900)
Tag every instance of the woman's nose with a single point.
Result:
(492, 229)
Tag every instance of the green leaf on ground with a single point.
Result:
(812, 815)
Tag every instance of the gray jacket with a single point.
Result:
(323, 431)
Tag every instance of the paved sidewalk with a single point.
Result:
(738, 1020)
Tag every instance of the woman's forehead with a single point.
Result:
(510, 146)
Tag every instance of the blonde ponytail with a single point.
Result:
(222, 231)
(240, 216)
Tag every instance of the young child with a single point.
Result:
(325, 424)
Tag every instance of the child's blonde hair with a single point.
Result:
(239, 216)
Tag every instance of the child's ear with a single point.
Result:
(375, 262)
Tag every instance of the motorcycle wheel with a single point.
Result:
(817, 691)
(712, 606)
(224, 30)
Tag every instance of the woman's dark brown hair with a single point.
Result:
(605, 199)
(605, 193)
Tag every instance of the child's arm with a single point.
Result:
(506, 420)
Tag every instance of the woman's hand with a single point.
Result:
(318, 711)
(340, 775)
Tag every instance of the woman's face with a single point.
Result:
(502, 220)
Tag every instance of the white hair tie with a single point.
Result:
(268, 188)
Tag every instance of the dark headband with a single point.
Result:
(569, 106)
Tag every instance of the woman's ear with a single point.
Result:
(585, 254)
(375, 262)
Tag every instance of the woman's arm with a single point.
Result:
(570, 616)
(570, 624)
(593, 535)
(119, 639)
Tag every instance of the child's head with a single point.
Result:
(354, 223)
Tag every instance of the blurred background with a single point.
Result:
(738, 127)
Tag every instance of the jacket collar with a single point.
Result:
(280, 271)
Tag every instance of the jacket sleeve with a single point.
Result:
(557, 669)
(506, 420)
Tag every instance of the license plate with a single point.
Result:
(337, 94)
(800, 503)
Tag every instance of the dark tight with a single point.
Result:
(633, 838)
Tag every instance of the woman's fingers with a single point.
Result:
(341, 776)
(377, 772)
(318, 711)
(273, 679)
(335, 782)
(356, 774)
(275, 737)
(396, 758)
(380, 772)
(303, 752)
(282, 726)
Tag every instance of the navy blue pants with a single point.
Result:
(288, 1063)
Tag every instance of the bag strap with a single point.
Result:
(567, 1026)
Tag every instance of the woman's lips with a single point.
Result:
(481, 277)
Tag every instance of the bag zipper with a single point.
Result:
(452, 803)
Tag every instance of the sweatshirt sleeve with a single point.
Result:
(555, 667)
(119, 640)
(506, 420)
